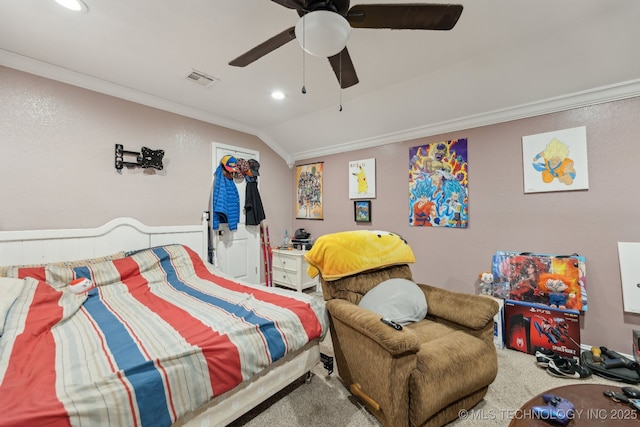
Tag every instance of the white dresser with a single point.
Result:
(290, 269)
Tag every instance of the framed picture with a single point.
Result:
(309, 191)
(362, 179)
(438, 184)
(555, 161)
(362, 211)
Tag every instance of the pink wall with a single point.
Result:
(502, 217)
(57, 171)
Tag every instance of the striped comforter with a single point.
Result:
(159, 336)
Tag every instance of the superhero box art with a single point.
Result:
(528, 326)
(554, 280)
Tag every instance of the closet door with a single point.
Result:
(236, 253)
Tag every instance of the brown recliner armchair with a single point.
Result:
(424, 374)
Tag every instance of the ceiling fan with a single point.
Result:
(334, 18)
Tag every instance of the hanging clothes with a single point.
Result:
(253, 208)
(225, 201)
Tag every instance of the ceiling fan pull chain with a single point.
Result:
(340, 81)
(304, 86)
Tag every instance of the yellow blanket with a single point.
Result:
(342, 254)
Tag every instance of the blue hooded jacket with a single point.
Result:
(225, 201)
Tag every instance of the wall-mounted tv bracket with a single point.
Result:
(146, 158)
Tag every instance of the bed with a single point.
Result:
(162, 339)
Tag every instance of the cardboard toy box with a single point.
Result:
(527, 326)
(636, 345)
(553, 280)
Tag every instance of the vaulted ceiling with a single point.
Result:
(505, 59)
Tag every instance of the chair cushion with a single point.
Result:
(449, 370)
(399, 300)
(353, 288)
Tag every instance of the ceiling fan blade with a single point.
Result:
(290, 4)
(344, 69)
(405, 16)
(342, 6)
(263, 48)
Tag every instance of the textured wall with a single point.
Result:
(57, 159)
(502, 217)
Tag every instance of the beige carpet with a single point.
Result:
(326, 402)
(519, 379)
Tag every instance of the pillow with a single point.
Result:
(346, 253)
(136, 251)
(37, 271)
(101, 274)
(399, 300)
(10, 290)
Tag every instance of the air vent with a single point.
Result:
(201, 79)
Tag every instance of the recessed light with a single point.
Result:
(75, 5)
(278, 94)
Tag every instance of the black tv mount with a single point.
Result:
(146, 158)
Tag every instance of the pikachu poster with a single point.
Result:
(362, 179)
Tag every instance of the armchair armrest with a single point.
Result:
(471, 311)
(368, 324)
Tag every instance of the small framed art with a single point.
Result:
(362, 211)
(555, 161)
(362, 179)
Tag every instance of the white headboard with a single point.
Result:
(121, 234)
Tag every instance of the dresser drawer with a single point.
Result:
(286, 277)
(287, 261)
(289, 269)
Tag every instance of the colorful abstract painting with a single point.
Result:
(438, 194)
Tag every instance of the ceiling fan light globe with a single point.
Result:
(323, 33)
(75, 5)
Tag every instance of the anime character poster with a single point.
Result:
(309, 191)
(438, 195)
(555, 161)
(362, 179)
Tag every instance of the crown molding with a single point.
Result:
(623, 90)
(615, 92)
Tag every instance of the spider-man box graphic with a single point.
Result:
(528, 326)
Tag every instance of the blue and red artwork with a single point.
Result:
(438, 180)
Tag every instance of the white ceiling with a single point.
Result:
(505, 59)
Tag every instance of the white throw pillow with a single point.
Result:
(400, 300)
(10, 290)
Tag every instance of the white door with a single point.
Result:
(236, 253)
